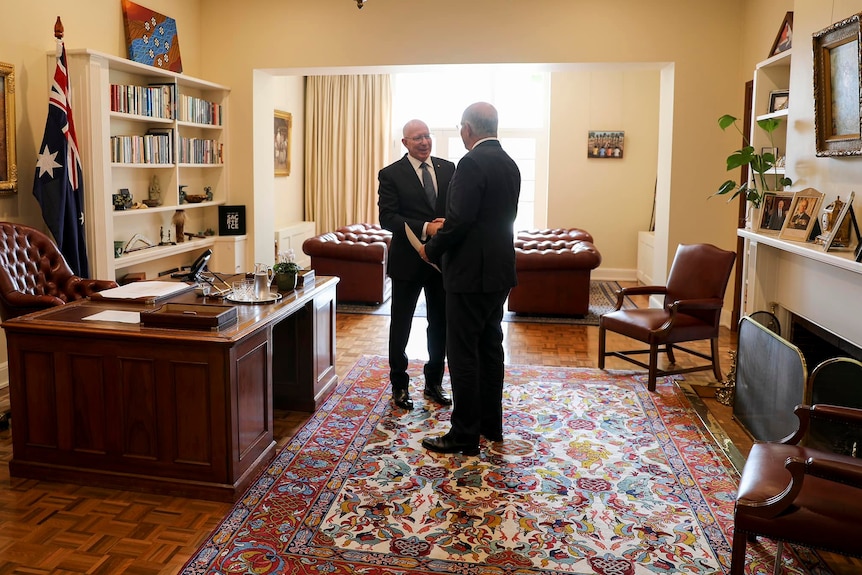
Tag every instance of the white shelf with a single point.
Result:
(159, 252)
(840, 259)
(776, 114)
(145, 211)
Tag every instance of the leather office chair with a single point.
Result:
(792, 493)
(34, 274)
(693, 299)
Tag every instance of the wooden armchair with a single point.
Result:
(693, 299)
(792, 493)
(34, 274)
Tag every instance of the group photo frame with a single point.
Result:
(803, 215)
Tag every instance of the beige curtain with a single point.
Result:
(347, 131)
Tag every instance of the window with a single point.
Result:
(519, 94)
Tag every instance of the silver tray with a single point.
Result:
(273, 297)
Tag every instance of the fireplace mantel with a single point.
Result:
(799, 277)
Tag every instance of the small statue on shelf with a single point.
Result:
(179, 221)
(183, 194)
(209, 193)
(154, 195)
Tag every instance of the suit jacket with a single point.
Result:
(401, 198)
(476, 244)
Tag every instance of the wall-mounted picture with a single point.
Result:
(8, 167)
(784, 39)
(803, 215)
(151, 38)
(837, 66)
(778, 100)
(605, 144)
(283, 121)
(773, 211)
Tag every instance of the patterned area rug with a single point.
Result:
(596, 476)
(603, 299)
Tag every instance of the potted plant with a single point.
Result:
(759, 164)
(285, 270)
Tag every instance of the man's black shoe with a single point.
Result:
(445, 444)
(401, 398)
(435, 393)
(494, 437)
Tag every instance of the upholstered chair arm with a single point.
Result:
(79, 288)
(18, 303)
(637, 290)
(683, 305)
(839, 471)
(849, 416)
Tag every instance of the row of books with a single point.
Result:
(160, 101)
(196, 151)
(146, 149)
(156, 101)
(200, 111)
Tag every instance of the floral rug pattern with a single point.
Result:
(596, 476)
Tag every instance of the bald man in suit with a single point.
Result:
(476, 249)
(403, 198)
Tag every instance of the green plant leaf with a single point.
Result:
(726, 121)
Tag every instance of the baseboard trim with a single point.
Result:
(614, 274)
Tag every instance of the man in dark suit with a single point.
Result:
(776, 219)
(403, 197)
(476, 249)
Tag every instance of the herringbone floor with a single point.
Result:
(59, 528)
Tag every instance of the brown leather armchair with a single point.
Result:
(800, 495)
(34, 274)
(693, 299)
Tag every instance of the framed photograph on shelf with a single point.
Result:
(773, 211)
(837, 125)
(281, 143)
(784, 39)
(802, 216)
(838, 223)
(778, 100)
(8, 167)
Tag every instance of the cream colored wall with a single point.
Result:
(682, 32)
(288, 93)
(612, 199)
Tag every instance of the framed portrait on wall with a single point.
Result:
(837, 93)
(803, 215)
(8, 166)
(281, 143)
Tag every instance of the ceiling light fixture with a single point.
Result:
(360, 3)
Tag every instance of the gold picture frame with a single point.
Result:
(8, 163)
(837, 93)
(281, 142)
(802, 216)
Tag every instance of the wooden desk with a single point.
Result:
(176, 411)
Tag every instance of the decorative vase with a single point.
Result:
(285, 281)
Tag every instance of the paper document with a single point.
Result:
(145, 289)
(414, 241)
(116, 315)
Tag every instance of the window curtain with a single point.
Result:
(347, 132)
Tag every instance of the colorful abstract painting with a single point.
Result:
(151, 37)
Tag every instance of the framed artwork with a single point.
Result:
(8, 166)
(231, 220)
(802, 216)
(837, 92)
(281, 143)
(151, 38)
(773, 211)
(778, 100)
(784, 38)
(605, 144)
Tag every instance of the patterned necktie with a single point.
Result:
(428, 183)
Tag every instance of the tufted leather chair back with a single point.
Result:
(34, 274)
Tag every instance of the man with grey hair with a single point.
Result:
(475, 247)
(412, 191)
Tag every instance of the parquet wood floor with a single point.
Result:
(69, 529)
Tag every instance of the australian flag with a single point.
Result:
(58, 185)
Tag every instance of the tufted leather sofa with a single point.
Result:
(553, 268)
(34, 274)
(356, 254)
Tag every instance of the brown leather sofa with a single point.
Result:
(553, 268)
(34, 274)
(356, 254)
